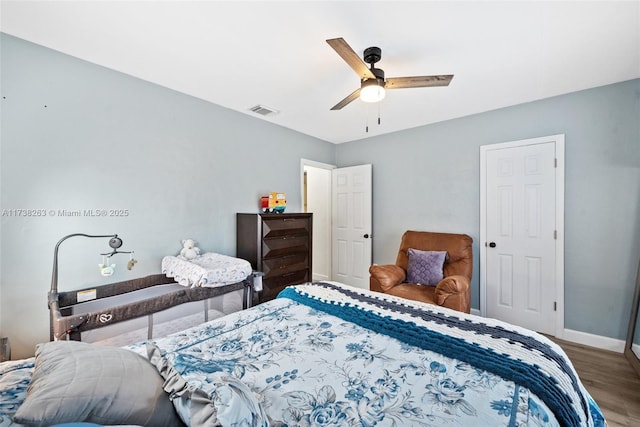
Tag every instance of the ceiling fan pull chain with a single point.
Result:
(366, 120)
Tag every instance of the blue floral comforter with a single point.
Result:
(15, 376)
(325, 354)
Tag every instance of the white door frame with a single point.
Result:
(559, 214)
(310, 163)
(318, 165)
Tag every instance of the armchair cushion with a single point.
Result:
(425, 267)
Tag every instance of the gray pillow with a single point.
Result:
(425, 267)
(74, 382)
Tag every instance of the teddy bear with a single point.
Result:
(189, 250)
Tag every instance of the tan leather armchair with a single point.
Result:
(453, 291)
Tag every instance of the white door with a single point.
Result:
(351, 225)
(521, 228)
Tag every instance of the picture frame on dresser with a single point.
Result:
(277, 244)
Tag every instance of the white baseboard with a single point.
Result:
(476, 312)
(591, 340)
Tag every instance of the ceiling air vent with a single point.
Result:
(263, 110)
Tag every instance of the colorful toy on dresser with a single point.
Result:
(273, 203)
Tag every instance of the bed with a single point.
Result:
(325, 354)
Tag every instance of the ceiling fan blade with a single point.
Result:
(343, 49)
(417, 81)
(351, 97)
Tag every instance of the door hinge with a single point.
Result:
(555, 234)
(555, 306)
(555, 162)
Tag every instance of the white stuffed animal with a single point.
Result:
(189, 250)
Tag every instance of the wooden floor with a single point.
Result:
(610, 380)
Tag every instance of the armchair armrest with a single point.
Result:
(385, 277)
(453, 292)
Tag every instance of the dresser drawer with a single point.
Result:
(275, 248)
(279, 227)
(271, 287)
(283, 265)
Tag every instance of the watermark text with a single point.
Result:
(31, 213)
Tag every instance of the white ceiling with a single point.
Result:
(238, 54)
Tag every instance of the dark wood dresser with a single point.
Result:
(279, 245)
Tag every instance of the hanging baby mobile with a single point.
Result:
(107, 268)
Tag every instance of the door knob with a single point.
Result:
(366, 236)
(492, 244)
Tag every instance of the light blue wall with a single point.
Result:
(77, 136)
(428, 178)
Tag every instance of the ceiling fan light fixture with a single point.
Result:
(372, 81)
(372, 90)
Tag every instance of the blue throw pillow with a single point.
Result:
(425, 267)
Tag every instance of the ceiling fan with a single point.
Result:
(372, 81)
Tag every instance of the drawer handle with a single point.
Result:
(288, 219)
(288, 274)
